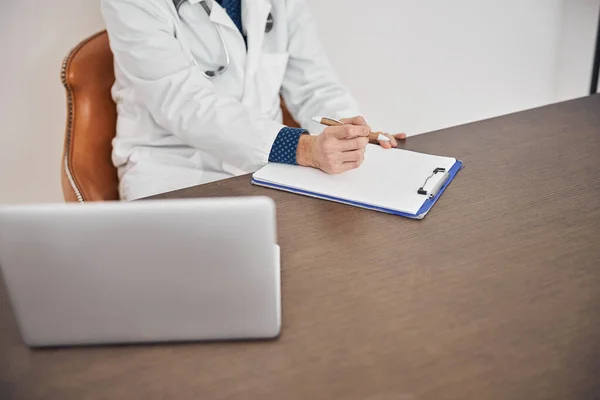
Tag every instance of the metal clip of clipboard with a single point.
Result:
(438, 178)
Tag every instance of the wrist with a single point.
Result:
(304, 152)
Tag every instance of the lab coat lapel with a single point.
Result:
(254, 20)
(218, 15)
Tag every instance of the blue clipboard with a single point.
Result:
(427, 202)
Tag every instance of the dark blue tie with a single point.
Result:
(234, 10)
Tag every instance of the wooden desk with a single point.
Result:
(494, 295)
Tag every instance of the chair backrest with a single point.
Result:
(87, 172)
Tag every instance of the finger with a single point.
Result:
(358, 120)
(347, 166)
(353, 144)
(350, 131)
(400, 136)
(361, 157)
(354, 155)
(392, 140)
(385, 144)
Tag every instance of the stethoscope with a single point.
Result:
(210, 74)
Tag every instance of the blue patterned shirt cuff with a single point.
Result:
(286, 143)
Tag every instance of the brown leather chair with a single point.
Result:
(87, 172)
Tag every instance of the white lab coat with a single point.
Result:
(176, 128)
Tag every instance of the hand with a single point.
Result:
(383, 143)
(337, 149)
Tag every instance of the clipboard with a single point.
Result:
(423, 181)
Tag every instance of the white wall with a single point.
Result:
(424, 65)
(414, 66)
(579, 19)
(34, 38)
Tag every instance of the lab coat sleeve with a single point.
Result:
(174, 91)
(310, 87)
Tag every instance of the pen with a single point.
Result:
(334, 122)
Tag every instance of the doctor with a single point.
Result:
(198, 87)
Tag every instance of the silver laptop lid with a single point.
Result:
(160, 270)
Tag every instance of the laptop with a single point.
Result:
(145, 271)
